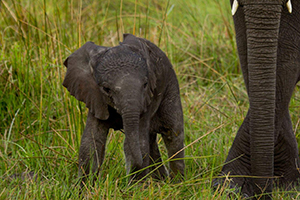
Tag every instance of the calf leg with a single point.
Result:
(155, 158)
(171, 117)
(92, 147)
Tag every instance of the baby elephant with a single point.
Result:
(132, 87)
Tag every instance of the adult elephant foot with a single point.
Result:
(236, 173)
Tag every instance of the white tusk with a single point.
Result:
(235, 6)
(289, 6)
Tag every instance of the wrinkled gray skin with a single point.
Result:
(131, 87)
(268, 41)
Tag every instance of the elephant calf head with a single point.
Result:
(133, 87)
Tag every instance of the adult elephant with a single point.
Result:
(268, 41)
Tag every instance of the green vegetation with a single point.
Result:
(41, 123)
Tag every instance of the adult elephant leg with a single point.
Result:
(286, 156)
(286, 163)
(155, 159)
(286, 160)
(92, 147)
(237, 164)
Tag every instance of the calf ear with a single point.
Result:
(80, 82)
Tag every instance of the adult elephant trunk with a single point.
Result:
(132, 149)
(262, 25)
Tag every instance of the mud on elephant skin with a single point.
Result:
(268, 42)
(132, 87)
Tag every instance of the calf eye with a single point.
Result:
(145, 85)
(106, 89)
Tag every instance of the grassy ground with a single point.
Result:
(41, 123)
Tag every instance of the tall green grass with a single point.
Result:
(41, 123)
